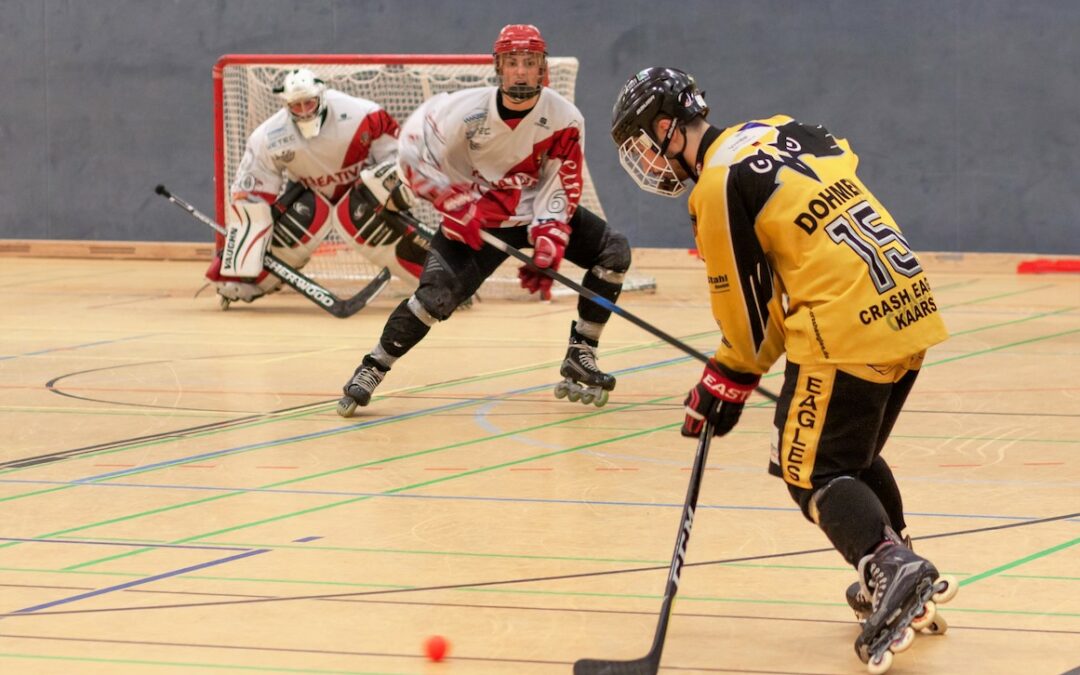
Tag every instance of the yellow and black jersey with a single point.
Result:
(800, 256)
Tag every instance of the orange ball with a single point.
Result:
(436, 647)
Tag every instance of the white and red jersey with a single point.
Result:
(526, 171)
(356, 133)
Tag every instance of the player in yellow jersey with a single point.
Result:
(802, 259)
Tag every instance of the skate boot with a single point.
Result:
(860, 603)
(584, 381)
(903, 589)
(360, 386)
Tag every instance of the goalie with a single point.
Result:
(325, 160)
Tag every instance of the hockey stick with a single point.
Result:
(606, 304)
(650, 663)
(326, 300)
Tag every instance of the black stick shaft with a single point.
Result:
(606, 304)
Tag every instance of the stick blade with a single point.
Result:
(366, 295)
(647, 665)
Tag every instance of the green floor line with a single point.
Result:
(113, 413)
(990, 350)
(277, 443)
(1022, 561)
(510, 590)
(363, 465)
(1014, 321)
(456, 554)
(191, 664)
(338, 470)
(321, 407)
(988, 298)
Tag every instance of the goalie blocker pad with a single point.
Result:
(247, 234)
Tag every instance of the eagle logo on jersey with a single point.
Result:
(783, 152)
(786, 150)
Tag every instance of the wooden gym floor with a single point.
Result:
(177, 494)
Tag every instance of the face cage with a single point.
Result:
(304, 109)
(521, 92)
(640, 156)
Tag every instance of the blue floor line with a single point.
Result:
(68, 349)
(138, 582)
(337, 430)
(478, 498)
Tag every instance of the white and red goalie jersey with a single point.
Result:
(526, 171)
(356, 133)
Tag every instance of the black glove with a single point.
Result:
(720, 395)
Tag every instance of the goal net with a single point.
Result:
(244, 98)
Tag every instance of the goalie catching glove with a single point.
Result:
(386, 186)
(549, 239)
(720, 396)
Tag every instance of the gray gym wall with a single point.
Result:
(966, 113)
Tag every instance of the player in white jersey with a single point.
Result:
(324, 159)
(508, 159)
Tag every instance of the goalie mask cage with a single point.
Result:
(244, 98)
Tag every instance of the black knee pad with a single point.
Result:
(403, 330)
(440, 291)
(848, 512)
(614, 252)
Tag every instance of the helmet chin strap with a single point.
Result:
(521, 92)
(675, 126)
(686, 167)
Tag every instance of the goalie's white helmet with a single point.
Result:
(303, 95)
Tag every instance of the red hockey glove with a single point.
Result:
(549, 239)
(460, 221)
(720, 395)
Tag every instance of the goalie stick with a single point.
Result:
(319, 295)
(650, 663)
(606, 304)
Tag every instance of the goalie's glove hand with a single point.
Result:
(720, 396)
(548, 239)
(386, 187)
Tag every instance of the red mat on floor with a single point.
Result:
(1048, 266)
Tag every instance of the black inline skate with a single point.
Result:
(584, 381)
(904, 590)
(360, 386)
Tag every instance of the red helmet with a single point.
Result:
(520, 37)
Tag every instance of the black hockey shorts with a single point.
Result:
(454, 271)
(832, 421)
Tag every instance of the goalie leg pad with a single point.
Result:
(247, 234)
(302, 222)
(386, 243)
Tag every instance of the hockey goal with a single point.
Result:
(244, 98)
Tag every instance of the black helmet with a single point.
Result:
(652, 93)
